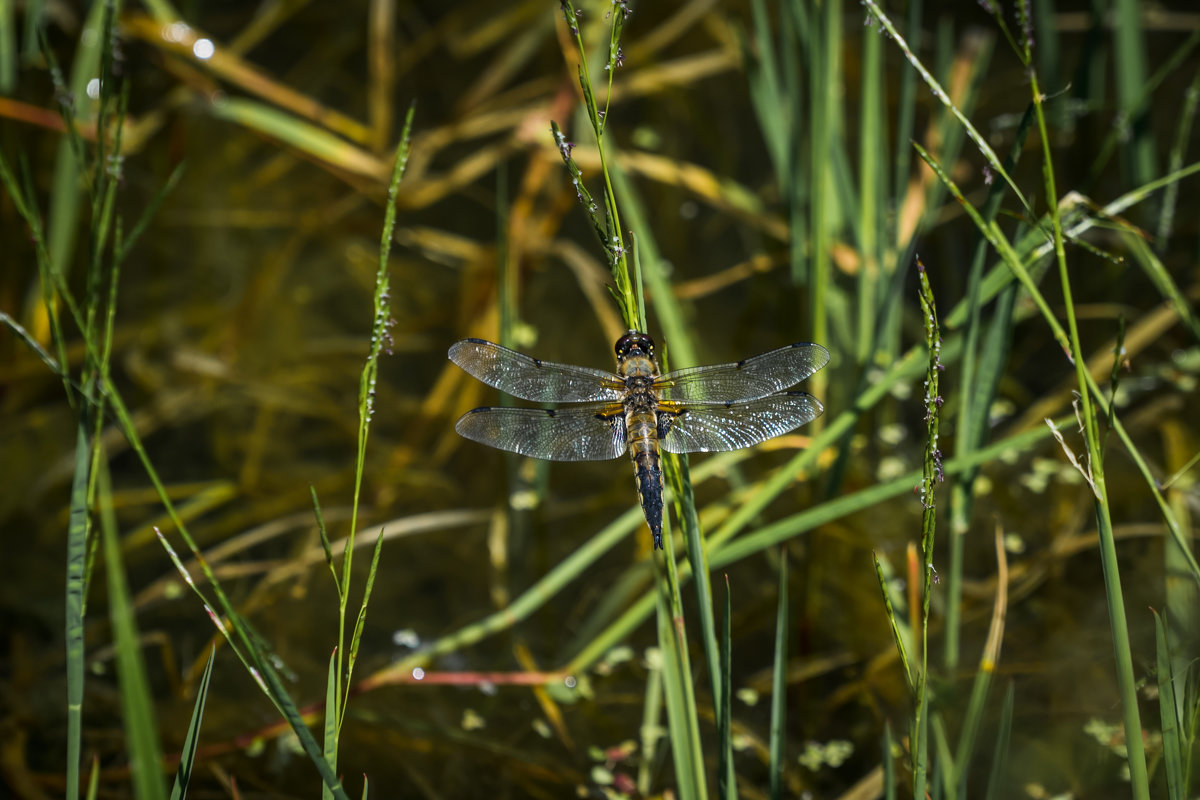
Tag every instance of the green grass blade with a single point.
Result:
(1187, 115)
(900, 631)
(1130, 72)
(1127, 689)
(726, 779)
(889, 764)
(326, 545)
(677, 684)
(8, 47)
(1013, 261)
(148, 213)
(333, 714)
(651, 731)
(765, 93)
(973, 718)
(997, 786)
(191, 742)
(65, 193)
(946, 776)
(77, 536)
(137, 703)
(680, 479)
(906, 109)
(1168, 710)
(360, 622)
(291, 130)
(778, 734)
(825, 125)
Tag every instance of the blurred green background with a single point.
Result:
(767, 151)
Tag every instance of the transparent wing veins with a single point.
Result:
(593, 432)
(749, 379)
(531, 379)
(717, 427)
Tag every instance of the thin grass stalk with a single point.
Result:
(611, 232)
(381, 340)
(778, 731)
(931, 475)
(1136, 756)
(341, 665)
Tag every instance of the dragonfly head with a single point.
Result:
(635, 343)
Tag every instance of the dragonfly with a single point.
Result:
(637, 410)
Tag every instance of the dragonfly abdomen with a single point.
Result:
(647, 468)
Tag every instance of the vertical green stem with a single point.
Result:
(1108, 551)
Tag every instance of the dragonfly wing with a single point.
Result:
(713, 427)
(595, 432)
(531, 379)
(752, 378)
